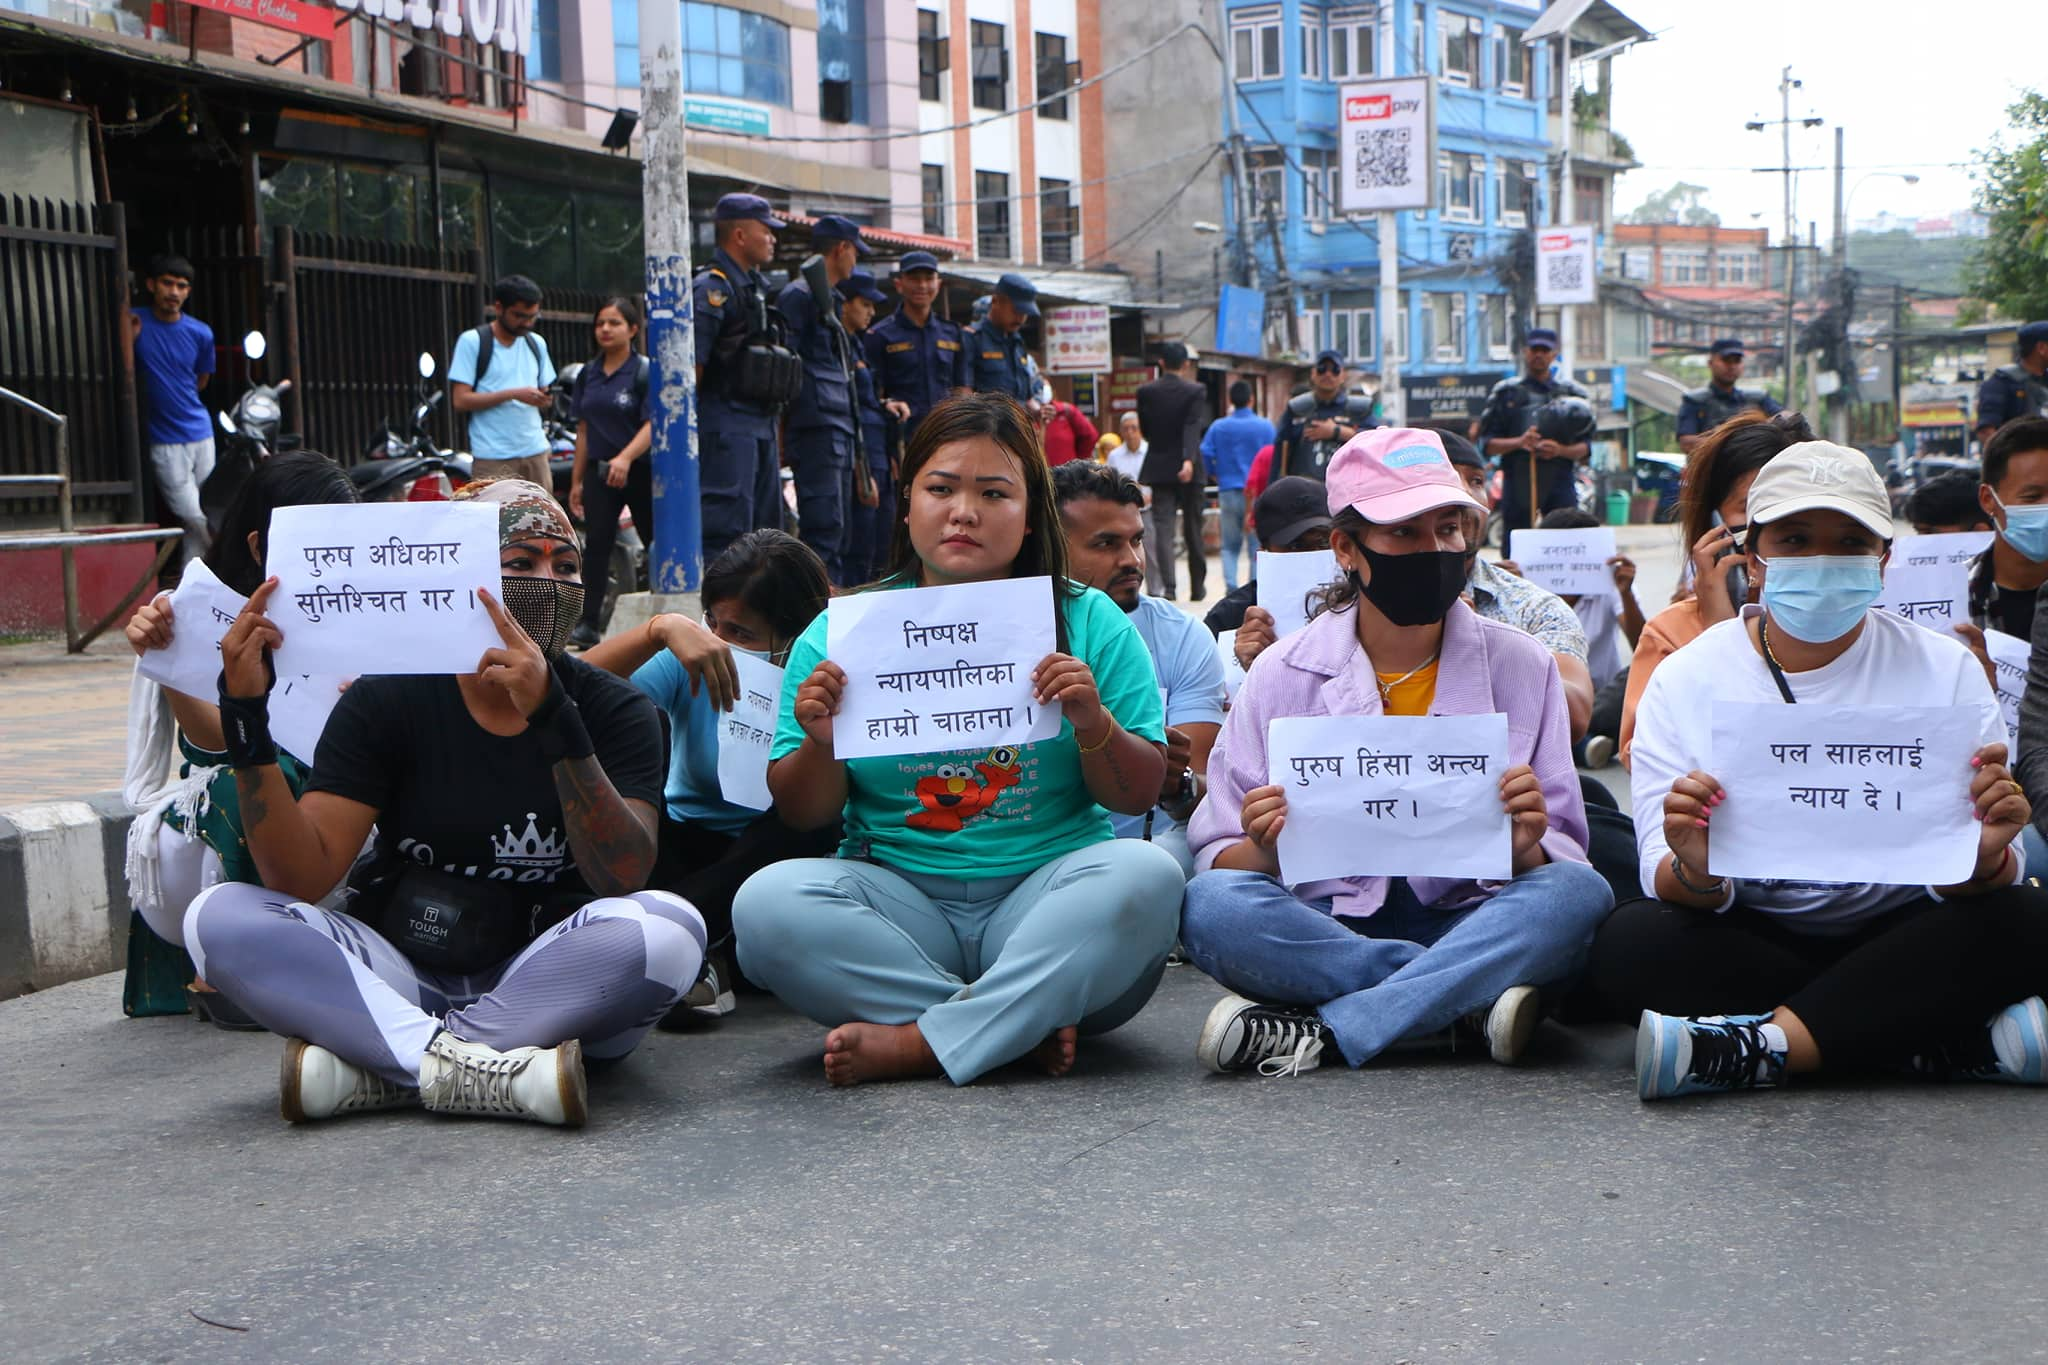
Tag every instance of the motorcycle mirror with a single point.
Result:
(253, 345)
(426, 365)
(225, 424)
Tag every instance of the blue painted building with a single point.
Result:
(1498, 123)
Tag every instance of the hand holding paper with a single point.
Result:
(746, 732)
(1286, 579)
(246, 670)
(180, 635)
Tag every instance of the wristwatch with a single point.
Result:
(1184, 794)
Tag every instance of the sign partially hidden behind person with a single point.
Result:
(935, 669)
(1569, 563)
(746, 732)
(1844, 793)
(1931, 590)
(299, 707)
(384, 587)
(1288, 579)
(1950, 547)
(1077, 339)
(202, 609)
(1391, 796)
(2009, 658)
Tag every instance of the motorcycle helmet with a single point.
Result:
(1566, 421)
(565, 378)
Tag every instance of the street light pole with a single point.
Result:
(677, 566)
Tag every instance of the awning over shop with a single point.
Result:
(1063, 285)
(946, 248)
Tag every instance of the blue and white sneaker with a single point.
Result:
(2013, 1048)
(1704, 1056)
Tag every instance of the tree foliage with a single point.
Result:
(1684, 203)
(2009, 269)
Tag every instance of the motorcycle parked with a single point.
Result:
(249, 435)
(411, 467)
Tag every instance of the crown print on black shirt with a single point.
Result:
(530, 849)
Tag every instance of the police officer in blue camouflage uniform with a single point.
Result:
(819, 431)
(1701, 410)
(881, 421)
(1507, 429)
(739, 473)
(917, 356)
(996, 356)
(2019, 389)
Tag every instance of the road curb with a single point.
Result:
(63, 896)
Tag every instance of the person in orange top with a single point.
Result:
(1713, 512)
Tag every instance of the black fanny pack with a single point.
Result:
(461, 926)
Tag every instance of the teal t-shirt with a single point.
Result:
(1026, 806)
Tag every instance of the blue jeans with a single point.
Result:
(1405, 972)
(1230, 513)
(985, 968)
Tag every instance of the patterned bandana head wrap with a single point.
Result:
(545, 608)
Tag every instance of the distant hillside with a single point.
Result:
(1896, 257)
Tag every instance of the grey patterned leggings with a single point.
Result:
(603, 975)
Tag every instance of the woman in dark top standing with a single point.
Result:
(499, 931)
(614, 432)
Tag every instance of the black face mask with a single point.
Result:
(545, 608)
(1414, 589)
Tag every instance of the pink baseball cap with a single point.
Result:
(1393, 473)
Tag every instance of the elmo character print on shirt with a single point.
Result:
(951, 796)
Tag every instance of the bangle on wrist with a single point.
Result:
(1719, 886)
(1098, 746)
(2004, 864)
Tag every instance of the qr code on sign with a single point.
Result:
(1565, 273)
(1382, 158)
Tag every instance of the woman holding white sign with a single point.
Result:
(1737, 983)
(980, 908)
(499, 931)
(1363, 962)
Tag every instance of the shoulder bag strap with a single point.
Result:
(1763, 634)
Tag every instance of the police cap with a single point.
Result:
(917, 260)
(1019, 291)
(830, 227)
(733, 207)
(1542, 336)
(2032, 335)
(861, 285)
(1726, 346)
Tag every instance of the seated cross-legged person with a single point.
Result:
(1739, 984)
(954, 939)
(1367, 962)
(499, 933)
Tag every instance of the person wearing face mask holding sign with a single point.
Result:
(1741, 983)
(1366, 962)
(499, 931)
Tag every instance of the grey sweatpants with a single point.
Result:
(603, 975)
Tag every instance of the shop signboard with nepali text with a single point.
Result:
(1077, 339)
(504, 24)
(297, 16)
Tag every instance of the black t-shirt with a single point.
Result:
(453, 797)
(2012, 611)
(1228, 613)
(612, 408)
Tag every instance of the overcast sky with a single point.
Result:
(1917, 87)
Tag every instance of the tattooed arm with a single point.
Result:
(611, 837)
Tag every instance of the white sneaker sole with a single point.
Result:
(1218, 1029)
(1511, 1023)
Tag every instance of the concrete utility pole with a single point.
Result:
(671, 336)
(1790, 245)
(1838, 401)
(1393, 409)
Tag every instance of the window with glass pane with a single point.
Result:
(546, 62)
(1340, 331)
(1498, 341)
(1269, 183)
(1443, 326)
(1051, 69)
(533, 232)
(990, 65)
(1458, 186)
(378, 205)
(1316, 167)
(935, 200)
(1364, 327)
(1352, 44)
(1311, 45)
(992, 215)
(842, 62)
(626, 44)
(1513, 68)
(1059, 221)
(1589, 198)
(1255, 43)
(932, 54)
(1458, 315)
(1517, 194)
(1400, 337)
(727, 52)
(299, 195)
(1460, 47)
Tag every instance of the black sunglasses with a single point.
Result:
(1327, 368)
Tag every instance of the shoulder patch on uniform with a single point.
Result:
(715, 297)
(943, 345)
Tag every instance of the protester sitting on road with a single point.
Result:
(612, 404)
(956, 946)
(499, 931)
(1742, 983)
(1366, 962)
(1613, 625)
(1945, 504)
(2006, 579)
(758, 597)
(1713, 515)
(1290, 517)
(1102, 514)
(187, 834)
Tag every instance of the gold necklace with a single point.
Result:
(1387, 688)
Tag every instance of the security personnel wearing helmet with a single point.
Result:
(1703, 409)
(1507, 429)
(2019, 389)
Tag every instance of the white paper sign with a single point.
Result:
(202, 609)
(383, 587)
(930, 670)
(299, 707)
(1935, 595)
(1950, 547)
(1286, 581)
(1569, 563)
(1876, 794)
(746, 732)
(2010, 656)
(1233, 671)
(1396, 796)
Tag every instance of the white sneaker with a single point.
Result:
(313, 1083)
(1599, 752)
(544, 1084)
(1511, 1023)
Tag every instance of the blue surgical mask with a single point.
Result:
(1818, 598)
(2026, 528)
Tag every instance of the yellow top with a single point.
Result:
(1409, 696)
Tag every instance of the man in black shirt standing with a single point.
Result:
(1171, 414)
(1507, 429)
(2005, 579)
(1319, 422)
(1701, 410)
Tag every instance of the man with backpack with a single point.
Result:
(503, 389)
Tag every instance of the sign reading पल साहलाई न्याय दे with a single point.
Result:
(296, 16)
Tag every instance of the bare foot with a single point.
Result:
(1055, 1056)
(877, 1052)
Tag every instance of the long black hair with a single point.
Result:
(629, 309)
(301, 478)
(775, 576)
(1741, 445)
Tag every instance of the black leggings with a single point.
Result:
(601, 506)
(1927, 972)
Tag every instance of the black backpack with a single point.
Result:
(486, 352)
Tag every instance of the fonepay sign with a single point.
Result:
(1386, 145)
(1361, 108)
(505, 24)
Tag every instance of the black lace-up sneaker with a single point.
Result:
(1707, 1056)
(2012, 1047)
(1279, 1040)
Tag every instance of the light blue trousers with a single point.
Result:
(986, 969)
(1232, 536)
(1405, 972)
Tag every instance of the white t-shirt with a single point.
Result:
(1606, 652)
(1892, 663)
(1128, 460)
